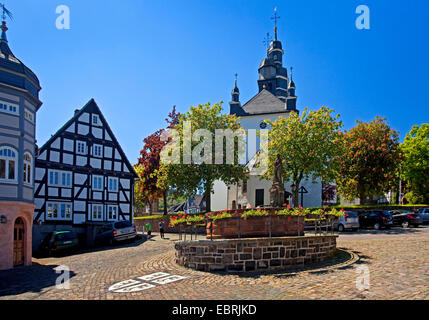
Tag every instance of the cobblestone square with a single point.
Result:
(397, 260)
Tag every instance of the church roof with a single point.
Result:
(263, 103)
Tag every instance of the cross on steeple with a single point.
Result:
(236, 77)
(275, 18)
(267, 40)
(5, 12)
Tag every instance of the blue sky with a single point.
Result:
(139, 58)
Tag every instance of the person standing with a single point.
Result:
(149, 230)
(161, 229)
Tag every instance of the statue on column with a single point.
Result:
(277, 191)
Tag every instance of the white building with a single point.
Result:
(276, 97)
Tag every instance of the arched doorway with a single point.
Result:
(18, 242)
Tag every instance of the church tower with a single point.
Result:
(276, 92)
(272, 74)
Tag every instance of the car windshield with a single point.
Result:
(351, 214)
(65, 236)
(122, 224)
(386, 214)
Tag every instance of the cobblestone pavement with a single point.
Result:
(398, 262)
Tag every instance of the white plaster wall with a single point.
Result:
(219, 196)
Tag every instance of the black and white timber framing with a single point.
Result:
(82, 174)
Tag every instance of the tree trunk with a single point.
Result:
(362, 197)
(296, 194)
(208, 194)
(164, 196)
(150, 206)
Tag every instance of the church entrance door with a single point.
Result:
(259, 197)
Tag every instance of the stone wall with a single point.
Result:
(259, 254)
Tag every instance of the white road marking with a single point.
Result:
(139, 287)
(154, 276)
(134, 285)
(123, 284)
(170, 279)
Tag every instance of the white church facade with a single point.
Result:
(276, 98)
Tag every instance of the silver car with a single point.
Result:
(424, 213)
(350, 221)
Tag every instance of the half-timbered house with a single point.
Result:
(83, 178)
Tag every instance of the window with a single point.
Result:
(28, 163)
(29, 115)
(80, 147)
(60, 178)
(66, 179)
(113, 184)
(97, 150)
(112, 213)
(58, 211)
(9, 108)
(8, 166)
(96, 120)
(97, 212)
(97, 183)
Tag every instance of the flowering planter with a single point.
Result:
(273, 225)
(317, 217)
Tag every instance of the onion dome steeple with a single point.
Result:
(292, 98)
(235, 105)
(13, 73)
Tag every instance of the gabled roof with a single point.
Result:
(92, 107)
(264, 103)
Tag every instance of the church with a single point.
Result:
(275, 98)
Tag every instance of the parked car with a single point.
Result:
(59, 241)
(406, 218)
(115, 232)
(376, 219)
(350, 221)
(424, 213)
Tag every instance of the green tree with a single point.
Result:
(140, 196)
(187, 175)
(369, 164)
(309, 146)
(415, 167)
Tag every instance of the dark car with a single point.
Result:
(59, 241)
(116, 231)
(406, 218)
(376, 219)
(424, 213)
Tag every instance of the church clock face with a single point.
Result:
(263, 125)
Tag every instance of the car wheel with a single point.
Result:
(405, 224)
(340, 228)
(377, 226)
